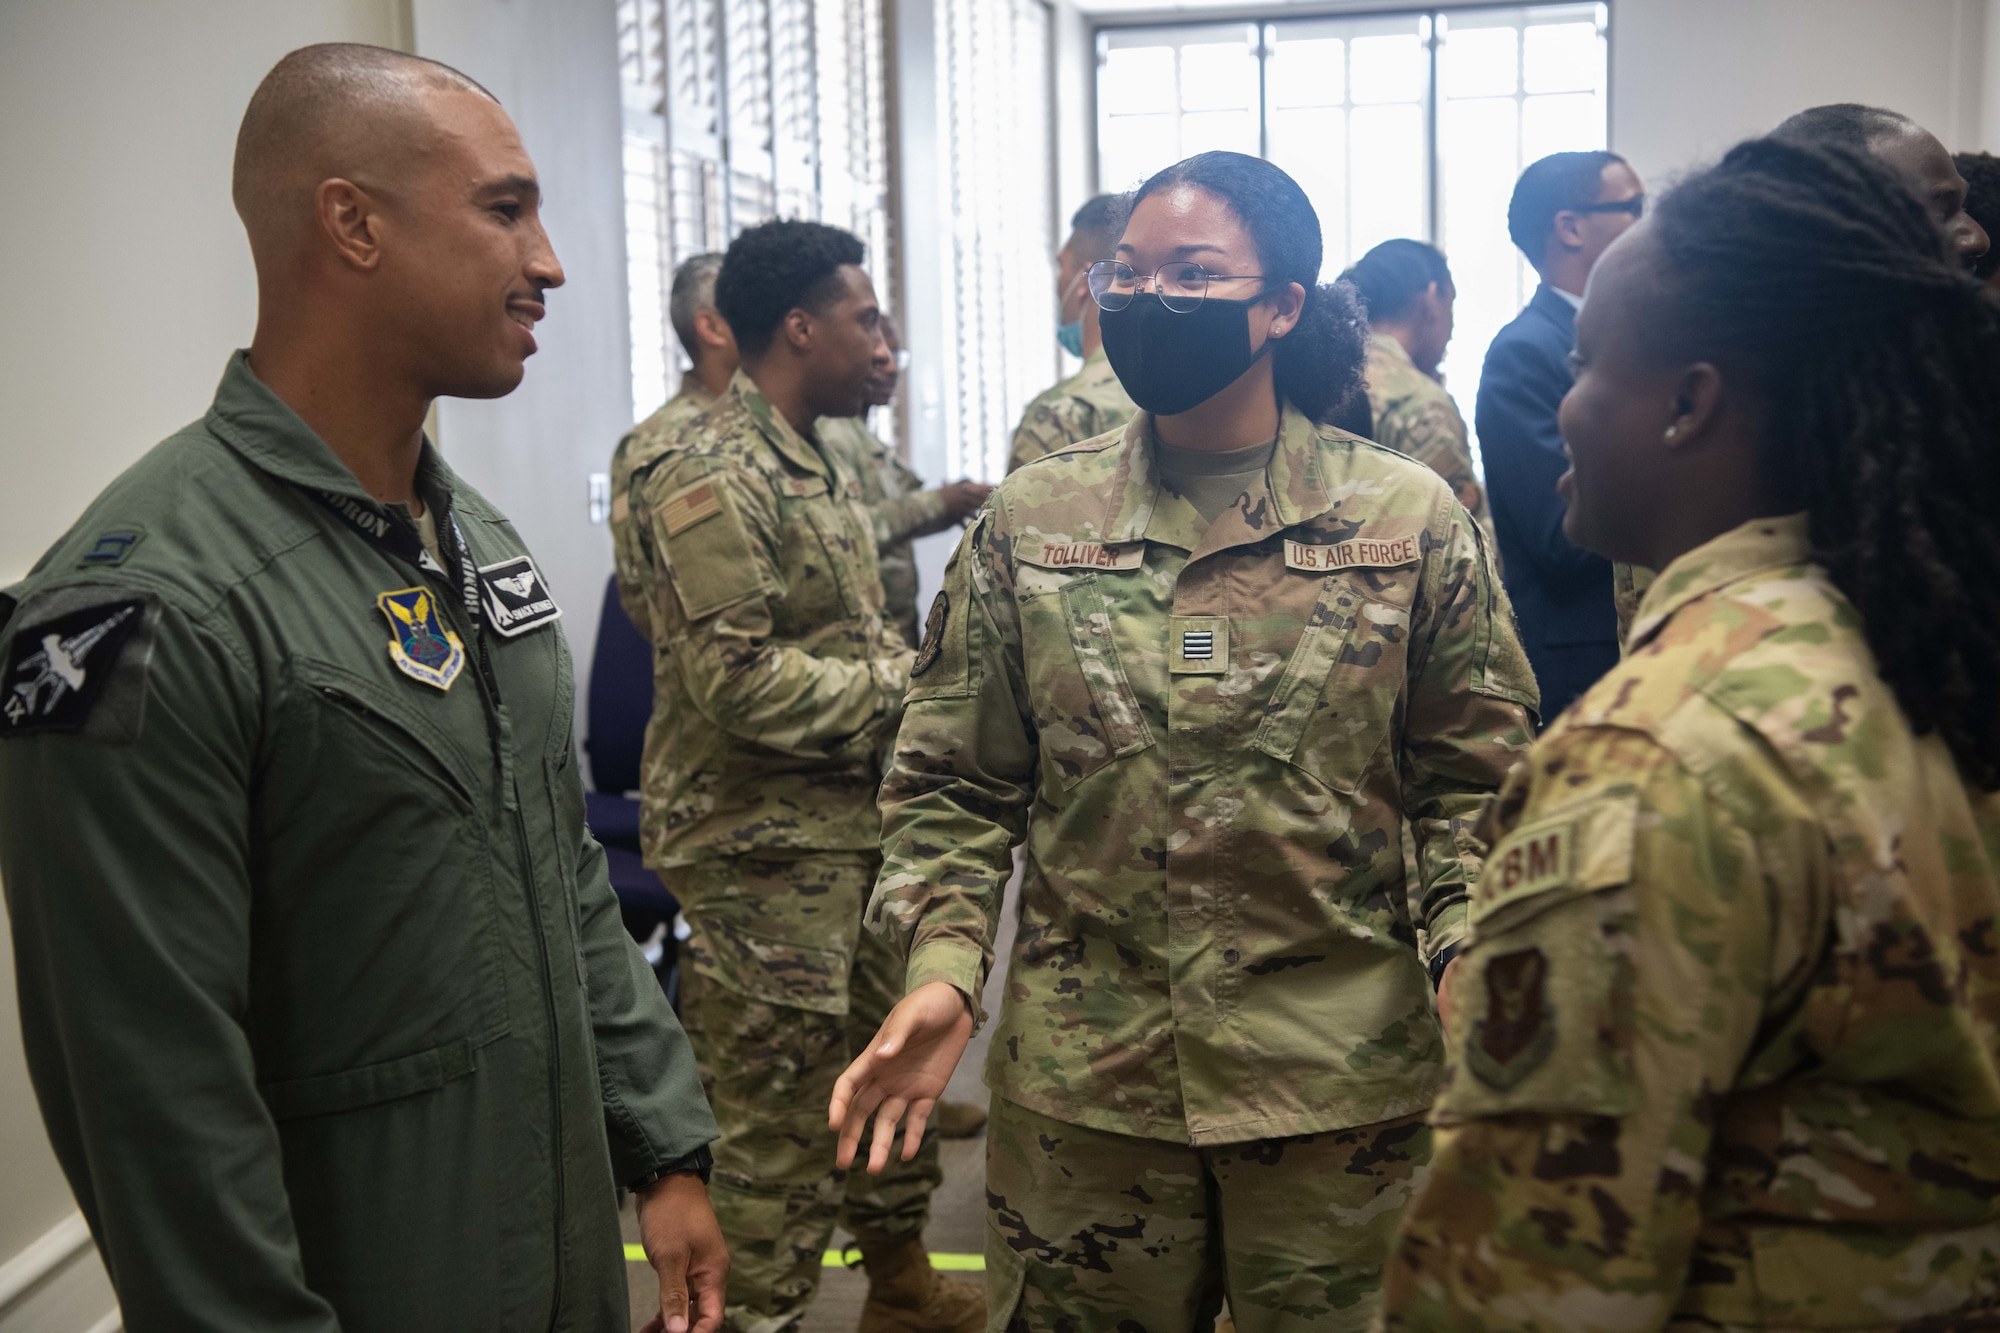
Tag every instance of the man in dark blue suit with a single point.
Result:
(1566, 209)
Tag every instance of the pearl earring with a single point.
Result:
(1673, 431)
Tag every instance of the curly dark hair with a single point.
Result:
(1811, 270)
(1982, 173)
(775, 268)
(1318, 365)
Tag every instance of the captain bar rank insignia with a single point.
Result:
(515, 597)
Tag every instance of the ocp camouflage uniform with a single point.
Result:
(1628, 590)
(641, 445)
(1211, 741)
(1080, 408)
(1415, 416)
(778, 679)
(899, 508)
(1723, 1043)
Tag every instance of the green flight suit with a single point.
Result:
(325, 994)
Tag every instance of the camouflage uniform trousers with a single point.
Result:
(770, 1049)
(1089, 1231)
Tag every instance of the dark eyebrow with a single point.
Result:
(1183, 251)
(513, 184)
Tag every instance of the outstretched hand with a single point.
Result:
(901, 1075)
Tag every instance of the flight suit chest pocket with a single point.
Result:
(1335, 705)
(1086, 711)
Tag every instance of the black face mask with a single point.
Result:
(1170, 362)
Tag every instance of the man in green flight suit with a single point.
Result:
(326, 999)
(1092, 401)
(780, 685)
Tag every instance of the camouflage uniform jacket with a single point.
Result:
(1211, 741)
(1723, 1042)
(1082, 407)
(776, 677)
(641, 445)
(1415, 416)
(899, 507)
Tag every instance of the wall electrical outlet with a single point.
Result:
(600, 496)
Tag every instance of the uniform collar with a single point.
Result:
(1141, 507)
(794, 446)
(1384, 346)
(1759, 545)
(251, 419)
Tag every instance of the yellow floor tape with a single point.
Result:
(949, 1263)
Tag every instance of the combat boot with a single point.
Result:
(907, 1295)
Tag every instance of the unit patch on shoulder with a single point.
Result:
(1518, 1030)
(515, 598)
(424, 648)
(58, 669)
(933, 644)
(686, 508)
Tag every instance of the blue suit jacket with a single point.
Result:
(1561, 594)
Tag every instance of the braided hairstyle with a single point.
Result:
(1318, 365)
(1812, 271)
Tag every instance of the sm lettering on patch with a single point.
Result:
(1362, 552)
(515, 598)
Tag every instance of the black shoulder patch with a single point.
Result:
(60, 668)
(933, 644)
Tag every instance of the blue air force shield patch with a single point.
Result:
(424, 648)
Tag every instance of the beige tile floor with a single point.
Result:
(958, 1209)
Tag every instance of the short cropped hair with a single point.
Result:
(1849, 123)
(1394, 274)
(1099, 223)
(693, 291)
(1557, 182)
(775, 268)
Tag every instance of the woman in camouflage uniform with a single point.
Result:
(1724, 1041)
(1210, 668)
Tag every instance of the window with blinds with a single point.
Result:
(994, 98)
(738, 111)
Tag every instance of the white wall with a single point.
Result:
(1691, 77)
(554, 65)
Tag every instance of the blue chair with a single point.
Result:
(619, 703)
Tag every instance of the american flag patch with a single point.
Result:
(1198, 645)
(689, 507)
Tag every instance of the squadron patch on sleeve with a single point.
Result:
(933, 644)
(58, 669)
(1518, 1030)
(515, 597)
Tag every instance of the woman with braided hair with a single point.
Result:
(1725, 1042)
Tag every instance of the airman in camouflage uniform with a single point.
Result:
(1415, 416)
(1722, 1042)
(1084, 406)
(778, 683)
(639, 447)
(1211, 736)
(899, 510)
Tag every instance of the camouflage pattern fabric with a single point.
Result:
(1723, 1047)
(1089, 1232)
(1415, 416)
(1082, 407)
(1211, 737)
(641, 445)
(790, 988)
(777, 680)
(898, 506)
(1628, 590)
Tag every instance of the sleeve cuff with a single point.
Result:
(956, 964)
(1448, 935)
